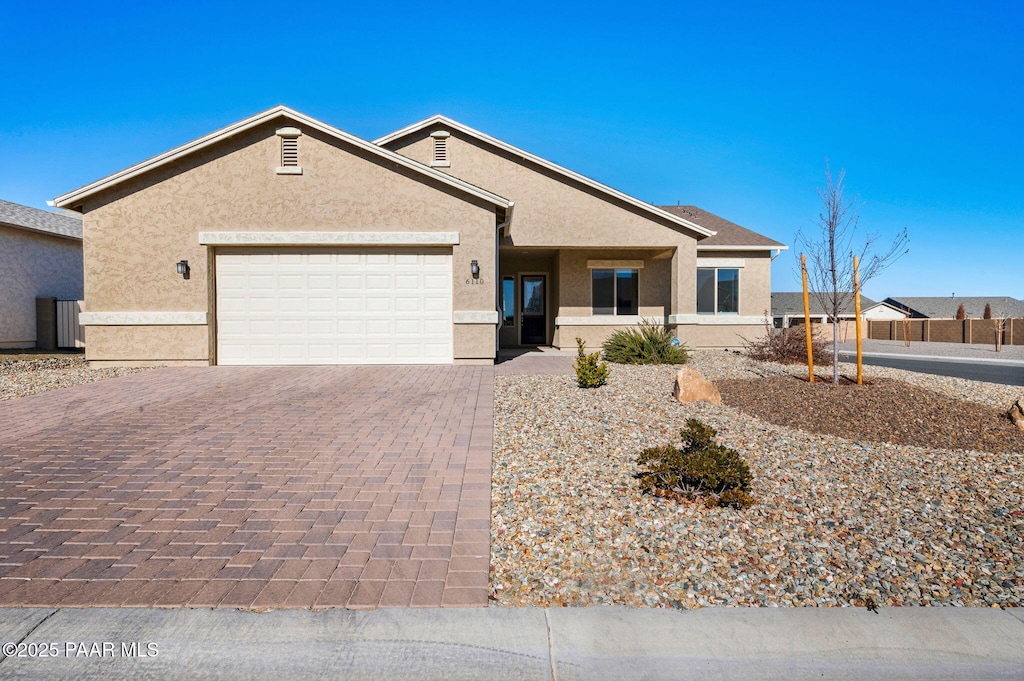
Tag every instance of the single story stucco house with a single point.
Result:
(283, 240)
(40, 256)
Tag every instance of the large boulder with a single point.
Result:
(692, 387)
(1016, 414)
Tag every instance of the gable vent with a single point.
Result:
(289, 151)
(439, 156)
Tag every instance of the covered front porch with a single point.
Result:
(551, 296)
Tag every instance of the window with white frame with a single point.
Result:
(615, 291)
(718, 290)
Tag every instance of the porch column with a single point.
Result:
(683, 294)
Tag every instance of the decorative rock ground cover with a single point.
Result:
(23, 377)
(836, 520)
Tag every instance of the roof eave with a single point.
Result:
(712, 247)
(533, 158)
(73, 198)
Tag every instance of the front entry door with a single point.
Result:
(534, 316)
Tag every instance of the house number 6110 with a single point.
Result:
(475, 282)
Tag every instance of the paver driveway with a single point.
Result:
(250, 487)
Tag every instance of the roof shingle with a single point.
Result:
(727, 233)
(792, 303)
(43, 221)
(945, 307)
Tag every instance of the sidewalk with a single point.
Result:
(504, 643)
(1010, 354)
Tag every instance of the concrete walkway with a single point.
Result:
(516, 644)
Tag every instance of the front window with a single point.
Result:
(615, 291)
(718, 291)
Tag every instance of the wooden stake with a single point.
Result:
(807, 321)
(856, 298)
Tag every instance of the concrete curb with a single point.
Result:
(507, 643)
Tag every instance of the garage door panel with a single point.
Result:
(334, 306)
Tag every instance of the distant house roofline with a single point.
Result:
(60, 224)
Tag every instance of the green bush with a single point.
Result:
(702, 468)
(647, 343)
(591, 372)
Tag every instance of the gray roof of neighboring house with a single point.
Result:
(945, 307)
(786, 303)
(728, 233)
(46, 222)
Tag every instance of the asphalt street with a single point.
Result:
(975, 370)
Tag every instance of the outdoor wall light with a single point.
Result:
(474, 267)
(183, 269)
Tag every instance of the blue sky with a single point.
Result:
(732, 106)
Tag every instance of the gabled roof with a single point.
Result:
(544, 163)
(871, 306)
(945, 307)
(792, 303)
(30, 219)
(73, 199)
(728, 235)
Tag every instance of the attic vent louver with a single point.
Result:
(289, 151)
(439, 157)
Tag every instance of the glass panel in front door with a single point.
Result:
(534, 316)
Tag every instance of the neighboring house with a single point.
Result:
(943, 307)
(881, 311)
(788, 308)
(303, 244)
(40, 256)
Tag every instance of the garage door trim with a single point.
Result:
(329, 238)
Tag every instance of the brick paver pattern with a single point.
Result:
(249, 487)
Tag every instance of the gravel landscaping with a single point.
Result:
(23, 377)
(837, 520)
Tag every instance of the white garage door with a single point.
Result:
(334, 306)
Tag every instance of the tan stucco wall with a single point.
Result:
(574, 293)
(694, 336)
(136, 232)
(755, 280)
(474, 341)
(550, 210)
(34, 265)
(156, 344)
(724, 336)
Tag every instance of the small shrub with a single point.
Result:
(591, 372)
(647, 343)
(788, 346)
(701, 469)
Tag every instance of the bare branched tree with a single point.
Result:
(830, 248)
